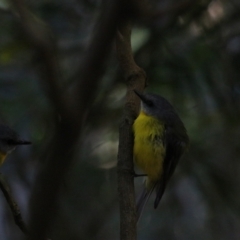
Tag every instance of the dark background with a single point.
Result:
(191, 54)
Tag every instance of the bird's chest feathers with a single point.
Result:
(149, 148)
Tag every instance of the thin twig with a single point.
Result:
(13, 205)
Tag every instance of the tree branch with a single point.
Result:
(136, 79)
(13, 205)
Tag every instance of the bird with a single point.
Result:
(160, 139)
(9, 140)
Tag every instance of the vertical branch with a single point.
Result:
(135, 79)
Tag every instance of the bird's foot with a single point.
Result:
(139, 175)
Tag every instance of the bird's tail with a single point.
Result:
(142, 200)
(160, 188)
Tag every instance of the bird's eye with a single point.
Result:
(149, 103)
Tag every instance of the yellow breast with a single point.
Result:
(149, 150)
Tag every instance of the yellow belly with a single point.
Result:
(149, 150)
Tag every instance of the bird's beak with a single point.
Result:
(141, 96)
(22, 142)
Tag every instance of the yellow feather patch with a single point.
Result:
(149, 150)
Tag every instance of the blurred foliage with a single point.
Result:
(192, 58)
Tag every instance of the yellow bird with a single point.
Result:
(160, 139)
(9, 139)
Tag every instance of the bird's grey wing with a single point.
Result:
(174, 150)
